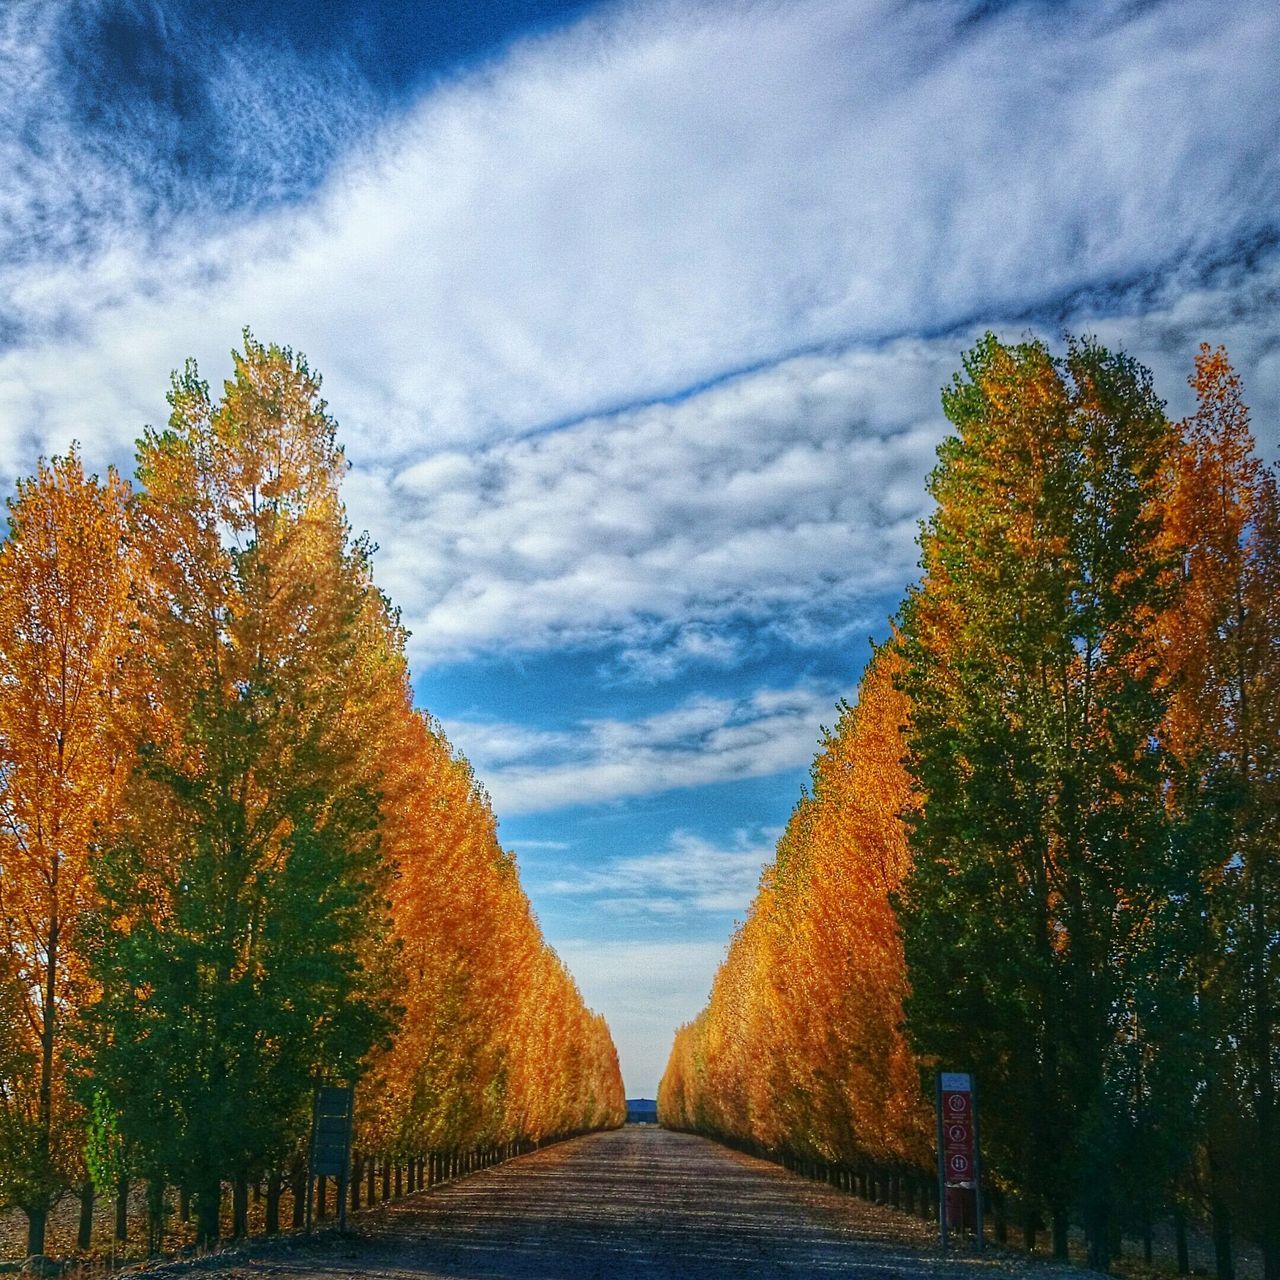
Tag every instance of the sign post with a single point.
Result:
(331, 1143)
(959, 1161)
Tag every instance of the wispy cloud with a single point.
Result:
(691, 875)
(787, 498)
(700, 740)
(654, 197)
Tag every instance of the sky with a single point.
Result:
(634, 318)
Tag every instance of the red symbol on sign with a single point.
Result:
(958, 1134)
(955, 1105)
(958, 1164)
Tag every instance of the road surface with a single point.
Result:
(635, 1204)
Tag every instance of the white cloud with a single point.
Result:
(658, 196)
(645, 990)
(699, 741)
(668, 191)
(772, 497)
(691, 875)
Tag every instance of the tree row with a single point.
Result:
(234, 860)
(1044, 845)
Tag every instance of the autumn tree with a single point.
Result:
(801, 1049)
(1221, 658)
(1039, 845)
(239, 896)
(64, 628)
(235, 859)
(495, 1044)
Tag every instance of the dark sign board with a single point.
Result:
(331, 1141)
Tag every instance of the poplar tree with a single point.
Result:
(1222, 664)
(241, 898)
(1039, 844)
(64, 628)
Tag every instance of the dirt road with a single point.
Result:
(635, 1204)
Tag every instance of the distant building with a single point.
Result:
(642, 1111)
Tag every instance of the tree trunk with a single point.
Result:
(1060, 1225)
(1223, 1255)
(84, 1236)
(239, 1207)
(155, 1216)
(1180, 1239)
(1030, 1226)
(208, 1199)
(298, 1189)
(122, 1208)
(275, 1185)
(36, 1220)
(1098, 1237)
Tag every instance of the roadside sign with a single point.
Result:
(959, 1161)
(331, 1142)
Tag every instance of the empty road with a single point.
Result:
(634, 1204)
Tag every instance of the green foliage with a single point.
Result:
(104, 1153)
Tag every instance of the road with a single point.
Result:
(635, 1204)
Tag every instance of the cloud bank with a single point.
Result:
(699, 741)
(660, 195)
(625, 215)
(692, 876)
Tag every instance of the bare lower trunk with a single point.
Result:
(1180, 1240)
(122, 1208)
(84, 1236)
(208, 1199)
(275, 1184)
(1223, 1254)
(36, 1219)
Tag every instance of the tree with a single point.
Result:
(241, 897)
(65, 619)
(1221, 659)
(801, 1048)
(1039, 844)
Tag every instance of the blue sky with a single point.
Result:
(634, 318)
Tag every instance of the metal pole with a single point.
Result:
(311, 1154)
(942, 1172)
(346, 1162)
(977, 1159)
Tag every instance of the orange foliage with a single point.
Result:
(254, 662)
(801, 1046)
(495, 1043)
(65, 616)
